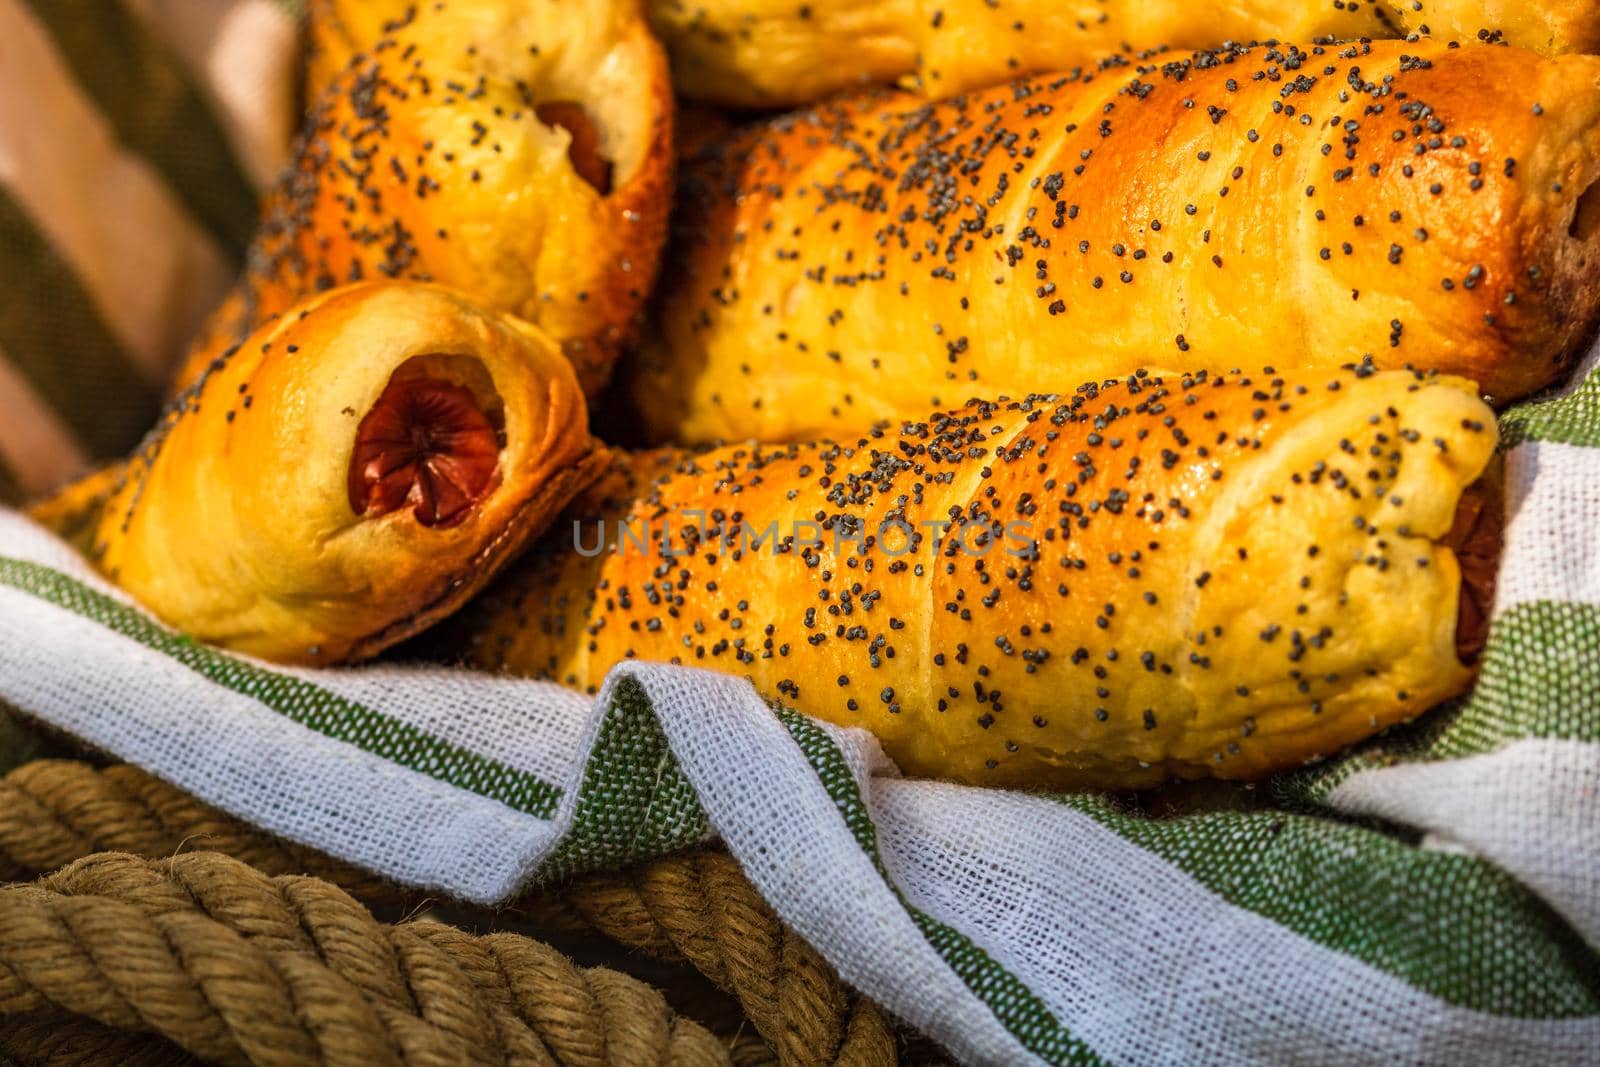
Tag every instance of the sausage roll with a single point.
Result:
(881, 256)
(1192, 575)
(776, 53)
(519, 152)
(353, 471)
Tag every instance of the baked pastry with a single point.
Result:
(775, 53)
(355, 470)
(881, 256)
(519, 152)
(1193, 575)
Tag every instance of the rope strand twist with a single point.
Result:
(237, 967)
(696, 907)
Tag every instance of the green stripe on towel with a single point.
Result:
(1571, 419)
(295, 699)
(1450, 924)
(147, 95)
(623, 817)
(1453, 926)
(1016, 1006)
(1540, 679)
(53, 333)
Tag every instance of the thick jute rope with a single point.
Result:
(700, 908)
(54, 811)
(696, 907)
(55, 1039)
(236, 967)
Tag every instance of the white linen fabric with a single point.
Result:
(1431, 897)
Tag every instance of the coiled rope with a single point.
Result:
(236, 967)
(55, 1039)
(697, 907)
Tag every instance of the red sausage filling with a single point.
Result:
(1475, 538)
(426, 444)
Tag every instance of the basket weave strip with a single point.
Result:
(237, 967)
(697, 907)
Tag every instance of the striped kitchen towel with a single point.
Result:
(1431, 897)
(134, 137)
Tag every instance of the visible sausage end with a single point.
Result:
(426, 444)
(1476, 538)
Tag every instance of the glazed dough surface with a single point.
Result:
(425, 155)
(776, 53)
(881, 256)
(234, 521)
(1196, 575)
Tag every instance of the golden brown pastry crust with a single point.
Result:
(1552, 27)
(774, 53)
(339, 30)
(73, 511)
(431, 153)
(235, 523)
(1212, 575)
(880, 256)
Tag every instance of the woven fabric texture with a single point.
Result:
(1431, 897)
